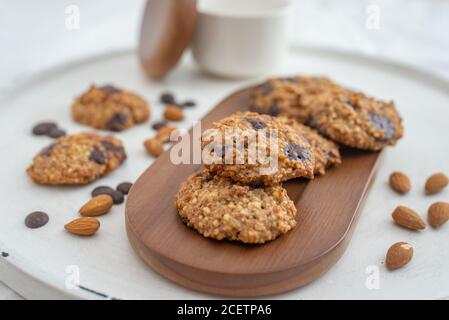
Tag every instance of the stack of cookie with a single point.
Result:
(244, 200)
(239, 195)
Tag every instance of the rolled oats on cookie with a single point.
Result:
(110, 108)
(290, 96)
(77, 159)
(219, 208)
(254, 148)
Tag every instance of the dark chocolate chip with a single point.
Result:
(290, 79)
(189, 104)
(44, 128)
(46, 152)
(101, 190)
(36, 219)
(274, 109)
(56, 133)
(5, 254)
(296, 152)
(383, 123)
(119, 151)
(256, 123)
(256, 184)
(160, 124)
(124, 187)
(185, 220)
(350, 103)
(266, 88)
(167, 98)
(98, 156)
(117, 196)
(117, 122)
(110, 89)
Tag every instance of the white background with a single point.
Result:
(33, 36)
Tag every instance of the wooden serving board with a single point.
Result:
(328, 208)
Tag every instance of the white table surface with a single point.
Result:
(34, 38)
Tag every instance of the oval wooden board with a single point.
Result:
(328, 208)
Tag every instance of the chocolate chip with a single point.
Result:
(167, 98)
(119, 151)
(110, 89)
(256, 123)
(36, 219)
(189, 104)
(117, 196)
(117, 122)
(98, 156)
(383, 123)
(290, 79)
(350, 103)
(274, 109)
(256, 184)
(160, 124)
(56, 133)
(265, 88)
(185, 220)
(46, 152)
(296, 152)
(44, 128)
(5, 254)
(124, 187)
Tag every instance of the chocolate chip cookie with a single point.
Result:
(110, 108)
(326, 152)
(77, 159)
(221, 209)
(357, 120)
(291, 96)
(253, 148)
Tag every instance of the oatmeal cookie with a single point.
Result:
(291, 96)
(326, 152)
(357, 120)
(110, 108)
(253, 148)
(77, 159)
(221, 209)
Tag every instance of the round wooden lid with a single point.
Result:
(166, 31)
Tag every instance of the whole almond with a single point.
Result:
(83, 226)
(408, 218)
(98, 205)
(399, 182)
(438, 214)
(436, 182)
(154, 147)
(173, 113)
(163, 134)
(398, 255)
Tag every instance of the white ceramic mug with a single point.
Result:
(240, 38)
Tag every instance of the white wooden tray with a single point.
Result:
(41, 262)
